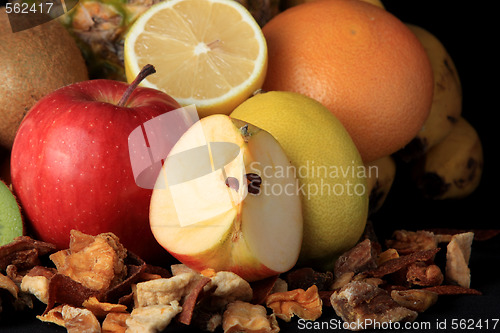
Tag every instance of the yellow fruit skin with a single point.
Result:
(377, 3)
(447, 99)
(381, 175)
(453, 168)
(320, 149)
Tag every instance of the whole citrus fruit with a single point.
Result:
(358, 60)
(327, 164)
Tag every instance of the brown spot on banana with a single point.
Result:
(452, 169)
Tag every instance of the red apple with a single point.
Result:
(71, 168)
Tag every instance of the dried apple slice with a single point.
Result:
(227, 198)
(11, 221)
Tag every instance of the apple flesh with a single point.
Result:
(71, 168)
(227, 199)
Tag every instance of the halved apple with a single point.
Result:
(227, 198)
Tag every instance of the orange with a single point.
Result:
(358, 60)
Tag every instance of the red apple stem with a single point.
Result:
(145, 72)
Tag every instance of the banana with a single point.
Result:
(380, 176)
(377, 3)
(447, 101)
(453, 168)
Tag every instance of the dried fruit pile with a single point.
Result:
(98, 286)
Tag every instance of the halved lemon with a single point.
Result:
(210, 53)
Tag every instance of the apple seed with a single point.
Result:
(254, 182)
(233, 183)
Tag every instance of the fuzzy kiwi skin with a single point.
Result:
(34, 63)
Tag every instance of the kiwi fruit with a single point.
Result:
(34, 63)
(11, 220)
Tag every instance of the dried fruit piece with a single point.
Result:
(77, 320)
(453, 290)
(143, 277)
(191, 300)
(153, 318)
(280, 286)
(262, 288)
(362, 304)
(65, 290)
(415, 299)
(479, 234)
(23, 252)
(387, 255)
(37, 286)
(54, 316)
(228, 287)
(12, 272)
(342, 280)
(206, 320)
(152, 272)
(394, 265)
(47, 272)
(303, 278)
(406, 242)
(97, 262)
(360, 258)
(368, 279)
(7, 284)
(74, 319)
(208, 272)
(421, 274)
(181, 268)
(79, 240)
(152, 269)
(443, 238)
(162, 291)
(305, 304)
(135, 267)
(23, 302)
(245, 317)
(102, 309)
(369, 233)
(325, 296)
(115, 322)
(457, 259)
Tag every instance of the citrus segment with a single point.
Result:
(210, 53)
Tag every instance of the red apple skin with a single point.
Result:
(249, 273)
(71, 168)
(250, 270)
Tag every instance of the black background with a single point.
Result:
(469, 31)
